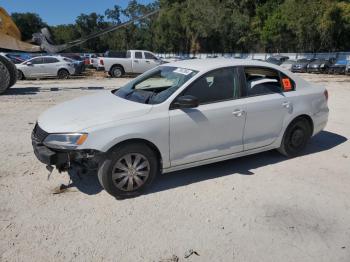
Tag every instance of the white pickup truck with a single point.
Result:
(130, 62)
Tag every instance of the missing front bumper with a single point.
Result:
(50, 157)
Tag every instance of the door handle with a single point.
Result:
(136, 61)
(286, 104)
(238, 113)
(148, 62)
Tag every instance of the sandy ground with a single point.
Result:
(257, 208)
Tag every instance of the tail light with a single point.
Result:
(102, 62)
(326, 94)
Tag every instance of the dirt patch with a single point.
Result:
(280, 209)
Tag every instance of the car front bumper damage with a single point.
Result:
(62, 159)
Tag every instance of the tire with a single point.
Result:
(117, 71)
(20, 75)
(119, 180)
(8, 74)
(63, 74)
(295, 137)
(4, 78)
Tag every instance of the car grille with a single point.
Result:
(38, 134)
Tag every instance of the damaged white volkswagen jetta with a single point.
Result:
(181, 115)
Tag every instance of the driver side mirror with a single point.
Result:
(186, 101)
(29, 64)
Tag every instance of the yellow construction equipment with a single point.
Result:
(10, 36)
(11, 39)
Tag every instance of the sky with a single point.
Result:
(55, 12)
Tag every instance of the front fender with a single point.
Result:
(154, 130)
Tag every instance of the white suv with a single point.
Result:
(181, 115)
(46, 66)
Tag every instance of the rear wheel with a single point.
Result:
(63, 74)
(295, 137)
(117, 71)
(128, 170)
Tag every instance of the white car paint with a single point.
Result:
(137, 62)
(97, 63)
(39, 67)
(192, 137)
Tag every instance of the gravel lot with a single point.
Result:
(257, 208)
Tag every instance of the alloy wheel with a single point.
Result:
(130, 172)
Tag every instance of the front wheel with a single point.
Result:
(128, 170)
(295, 138)
(20, 75)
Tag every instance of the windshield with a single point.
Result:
(155, 86)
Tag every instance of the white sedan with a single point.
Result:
(46, 66)
(181, 115)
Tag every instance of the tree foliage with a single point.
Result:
(212, 26)
(28, 23)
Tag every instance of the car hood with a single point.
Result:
(89, 111)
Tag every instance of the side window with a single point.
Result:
(50, 60)
(218, 85)
(150, 56)
(138, 55)
(261, 81)
(36, 61)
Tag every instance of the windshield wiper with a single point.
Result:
(150, 97)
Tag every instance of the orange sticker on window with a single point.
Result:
(287, 85)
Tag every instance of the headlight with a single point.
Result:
(65, 141)
(322, 65)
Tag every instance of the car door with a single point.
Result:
(151, 61)
(266, 105)
(51, 66)
(215, 127)
(139, 63)
(34, 67)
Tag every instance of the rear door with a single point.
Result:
(139, 63)
(266, 105)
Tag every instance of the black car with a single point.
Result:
(300, 66)
(339, 67)
(77, 60)
(277, 59)
(320, 65)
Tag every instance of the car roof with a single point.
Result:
(210, 64)
(47, 56)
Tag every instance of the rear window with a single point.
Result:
(264, 81)
(138, 55)
(116, 54)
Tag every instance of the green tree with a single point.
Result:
(28, 23)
